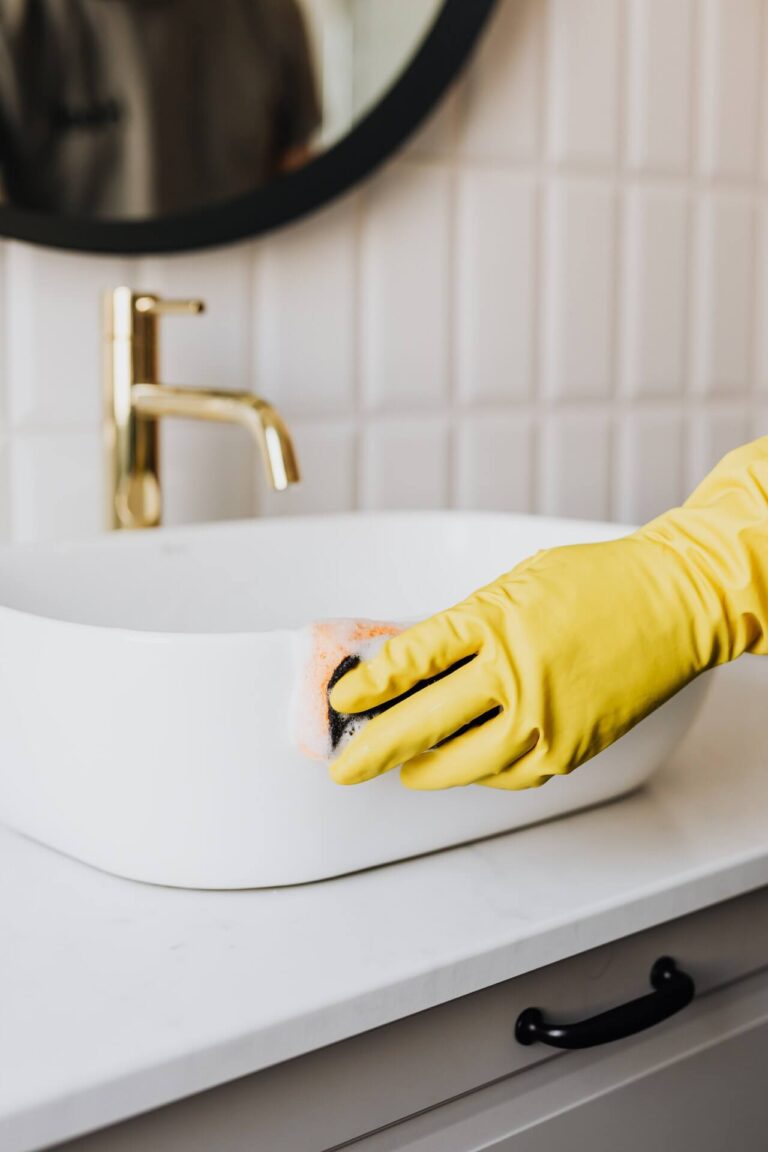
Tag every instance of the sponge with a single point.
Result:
(331, 648)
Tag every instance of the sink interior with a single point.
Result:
(279, 574)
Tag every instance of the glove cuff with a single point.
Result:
(718, 544)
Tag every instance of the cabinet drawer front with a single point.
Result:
(699, 1084)
(340, 1093)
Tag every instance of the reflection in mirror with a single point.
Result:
(133, 109)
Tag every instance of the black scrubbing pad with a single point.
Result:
(342, 723)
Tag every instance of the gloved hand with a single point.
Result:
(572, 647)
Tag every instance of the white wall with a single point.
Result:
(556, 299)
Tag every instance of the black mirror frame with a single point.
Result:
(438, 61)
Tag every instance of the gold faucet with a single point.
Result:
(135, 401)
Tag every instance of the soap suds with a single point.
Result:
(330, 646)
(333, 648)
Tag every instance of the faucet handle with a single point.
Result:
(155, 306)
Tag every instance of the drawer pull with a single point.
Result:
(672, 990)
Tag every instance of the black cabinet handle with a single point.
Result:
(673, 990)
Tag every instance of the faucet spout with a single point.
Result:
(153, 401)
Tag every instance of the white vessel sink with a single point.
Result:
(148, 688)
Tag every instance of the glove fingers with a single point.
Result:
(528, 771)
(417, 654)
(465, 760)
(515, 780)
(414, 726)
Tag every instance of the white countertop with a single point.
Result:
(119, 997)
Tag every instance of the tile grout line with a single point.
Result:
(539, 276)
(619, 294)
(693, 227)
(453, 304)
(360, 206)
(756, 281)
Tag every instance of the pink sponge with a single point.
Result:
(332, 647)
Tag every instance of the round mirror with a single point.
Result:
(162, 125)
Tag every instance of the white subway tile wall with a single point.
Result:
(404, 463)
(730, 86)
(327, 450)
(579, 290)
(659, 58)
(713, 434)
(655, 292)
(495, 285)
(650, 464)
(500, 102)
(52, 323)
(583, 69)
(494, 462)
(555, 299)
(405, 288)
(725, 277)
(303, 331)
(761, 307)
(575, 464)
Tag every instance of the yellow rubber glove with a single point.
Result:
(573, 647)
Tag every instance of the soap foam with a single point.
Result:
(326, 645)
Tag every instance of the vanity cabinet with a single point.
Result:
(454, 1078)
(697, 1084)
